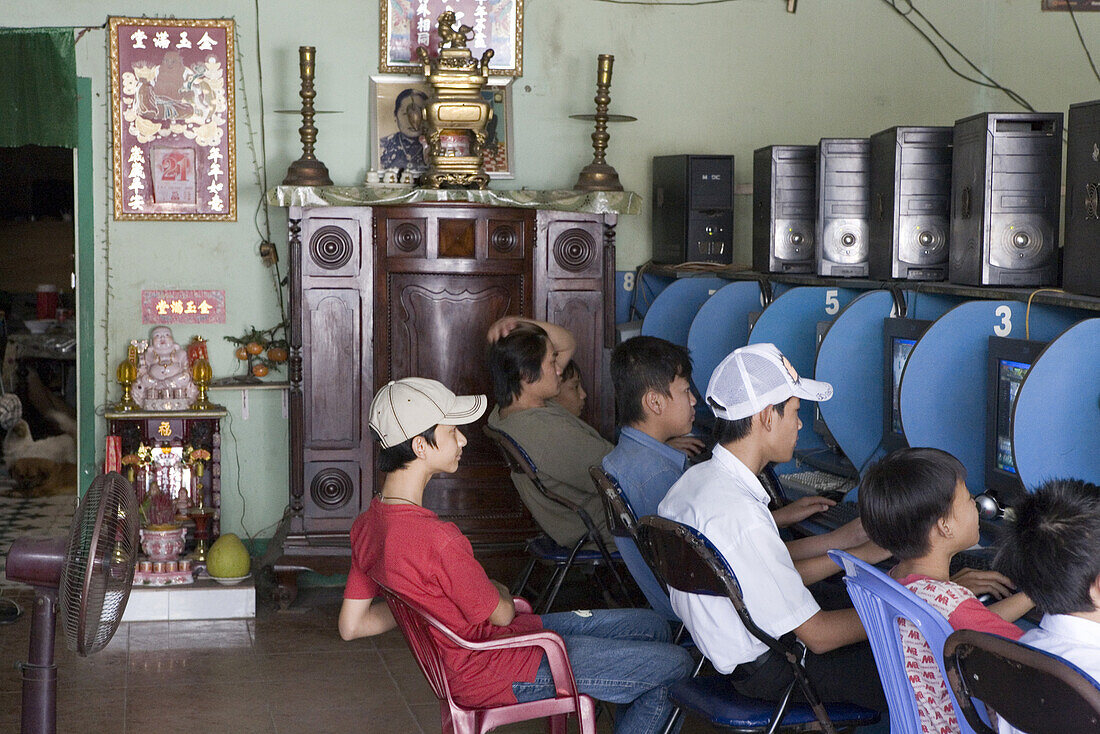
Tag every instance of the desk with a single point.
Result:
(53, 358)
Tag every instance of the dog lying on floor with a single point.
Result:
(43, 466)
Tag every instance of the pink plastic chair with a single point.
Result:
(416, 626)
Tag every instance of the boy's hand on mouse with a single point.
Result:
(689, 444)
(985, 582)
(800, 509)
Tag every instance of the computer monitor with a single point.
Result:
(900, 335)
(1008, 363)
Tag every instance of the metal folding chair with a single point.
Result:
(542, 548)
(687, 561)
(1032, 690)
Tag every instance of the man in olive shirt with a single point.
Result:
(526, 359)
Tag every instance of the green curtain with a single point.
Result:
(38, 92)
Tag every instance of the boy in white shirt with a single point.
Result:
(1053, 554)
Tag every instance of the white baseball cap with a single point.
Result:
(751, 378)
(407, 407)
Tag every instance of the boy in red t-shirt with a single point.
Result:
(621, 656)
(915, 504)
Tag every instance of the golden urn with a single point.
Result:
(457, 116)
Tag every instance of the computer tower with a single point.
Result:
(693, 208)
(784, 208)
(843, 206)
(1005, 179)
(910, 203)
(1081, 253)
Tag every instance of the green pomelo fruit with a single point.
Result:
(227, 558)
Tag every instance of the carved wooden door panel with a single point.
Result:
(444, 275)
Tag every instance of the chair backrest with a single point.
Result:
(416, 626)
(518, 460)
(621, 518)
(1032, 690)
(686, 560)
(881, 602)
(623, 523)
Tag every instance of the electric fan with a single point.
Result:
(87, 577)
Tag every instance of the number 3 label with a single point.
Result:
(832, 303)
(1004, 313)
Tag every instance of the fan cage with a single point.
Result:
(99, 565)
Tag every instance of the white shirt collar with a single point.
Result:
(1067, 625)
(732, 465)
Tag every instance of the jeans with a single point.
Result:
(621, 656)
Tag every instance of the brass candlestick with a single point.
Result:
(307, 170)
(598, 175)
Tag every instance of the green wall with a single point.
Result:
(720, 78)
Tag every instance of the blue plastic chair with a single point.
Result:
(543, 548)
(880, 602)
(1031, 689)
(687, 561)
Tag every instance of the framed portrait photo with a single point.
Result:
(408, 24)
(173, 133)
(396, 111)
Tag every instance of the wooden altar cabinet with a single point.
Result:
(387, 284)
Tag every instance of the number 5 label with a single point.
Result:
(832, 303)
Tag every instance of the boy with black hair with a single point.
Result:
(622, 656)
(572, 395)
(915, 504)
(526, 359)
(754, 394)
(1053, 553)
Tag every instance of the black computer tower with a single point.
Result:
(1081, 253)
(843, 206)
(1006, 174)
(693, 208)
(910, 203)
(784, 208)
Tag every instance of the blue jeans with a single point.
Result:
(618, 655)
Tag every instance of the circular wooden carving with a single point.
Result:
(331, 489)
(504, 238)
(330, 247)
(574, 249)
(407, 237)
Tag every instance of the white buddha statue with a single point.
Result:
(164, 378)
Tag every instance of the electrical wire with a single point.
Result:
(1081, 38)
(989, 81)
(1027, 312)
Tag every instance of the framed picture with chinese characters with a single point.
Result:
(408, 24)
(173, 143)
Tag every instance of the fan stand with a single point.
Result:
(38, 562)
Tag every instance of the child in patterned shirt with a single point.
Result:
(915, 504)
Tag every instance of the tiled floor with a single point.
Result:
(282, 672)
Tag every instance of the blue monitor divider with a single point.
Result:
(1056, 422)
(929, 306)
(790, 323)
(672, 311)
(721, 326)
(943, 388)
(850, 359)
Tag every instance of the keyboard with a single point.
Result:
(980, 559)
(816, 482)
(837, 515)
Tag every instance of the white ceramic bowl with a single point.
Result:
(39, 326)
(230, 580)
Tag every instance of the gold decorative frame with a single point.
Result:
(398, 40)
(172, 86)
